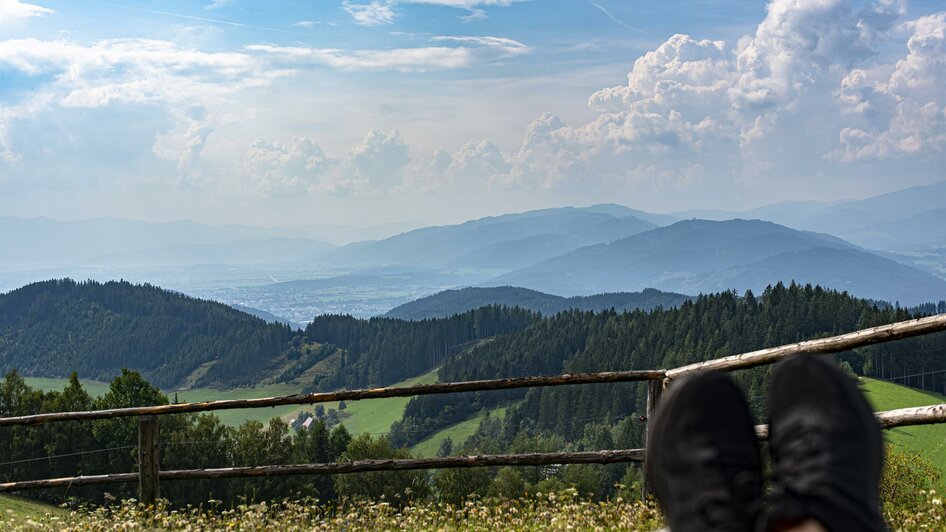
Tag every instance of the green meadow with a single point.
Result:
(927, 440)
(23, 509)
(372, 415)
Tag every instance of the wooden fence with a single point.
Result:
(149, 475)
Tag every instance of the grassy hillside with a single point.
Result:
(373, 415)
(49, 384)
(22, 509)
(928, 440)
(458, 433)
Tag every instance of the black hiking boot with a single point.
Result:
(826, 448)
(703, 456)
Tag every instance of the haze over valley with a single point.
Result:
(888, 248)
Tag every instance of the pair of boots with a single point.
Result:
(825, 444)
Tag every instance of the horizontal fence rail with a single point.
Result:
(148, 483)
(834, 344)
(865, 337)
(923, 415)
(337, 468)
(891, 419)
(345, 395)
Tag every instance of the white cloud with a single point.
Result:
(379, 12)
(14, 11)
(698, 109)
(275, 169)
(182, 82)
(376, 163)
(477, 161)
(503, 45)
(901, 107)
(477, 50)
(401, 59)
(216, 4)
(305, 24)
(372, 14)
(134, 70)
(464, 4)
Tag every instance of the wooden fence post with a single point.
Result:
(148, 490)
(654, 390)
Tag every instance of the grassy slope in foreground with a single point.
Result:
(927, 440)
(22, 509)
(372, 415)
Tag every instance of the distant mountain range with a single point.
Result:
(904, 219)
(700, 256)
(450, 302)
(42, 242)
(889, 247)
(499, 242)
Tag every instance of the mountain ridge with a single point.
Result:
(692, 256)
(450, 302)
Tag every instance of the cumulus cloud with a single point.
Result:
(376, 163)
(901, 107)
(694, 108)
(14, 11)
(276, 169)
(476, 160)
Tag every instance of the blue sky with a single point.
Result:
(367, 111)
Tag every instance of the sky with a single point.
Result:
(371, 111)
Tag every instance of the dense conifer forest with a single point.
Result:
(53, 328)
(381, 351)
(710, 327)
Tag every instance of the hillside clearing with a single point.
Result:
(373, 416)
(458, 433)
(927, 440)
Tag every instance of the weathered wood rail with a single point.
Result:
(337, 468)
(149, 476)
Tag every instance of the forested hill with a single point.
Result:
(381, 351)
(450, 302)
(53, 328)
(709, 327)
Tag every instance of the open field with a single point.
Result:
(458, 433)
(95, 388)
(373, 415)
(928, 440)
